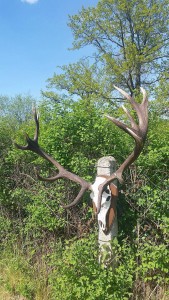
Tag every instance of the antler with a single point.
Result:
(32, 145)
(137, 131)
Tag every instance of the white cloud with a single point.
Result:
(30, 1)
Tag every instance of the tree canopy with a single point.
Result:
(130, 41)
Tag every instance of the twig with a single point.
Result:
(153, 291)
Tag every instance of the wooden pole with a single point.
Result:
(105, 167)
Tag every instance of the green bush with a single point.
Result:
(78, 275)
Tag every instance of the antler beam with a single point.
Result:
(32, 145)
(136, 131)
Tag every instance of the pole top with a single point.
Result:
(106, 165)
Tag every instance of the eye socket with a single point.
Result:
(107, 191)
(108, 198)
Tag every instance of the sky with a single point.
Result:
(34, 40)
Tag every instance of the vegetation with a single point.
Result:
(50, 253)
(130, 40)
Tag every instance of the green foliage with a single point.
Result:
(16, 109)
(83, 80)
(78, 135)
(5, 227)
(44, 214)
(154, 263)
(51, 262)
(130, 40)
(32, 217)
(82, 277)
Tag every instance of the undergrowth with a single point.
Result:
(71, 271)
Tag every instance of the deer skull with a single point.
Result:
(107, 211)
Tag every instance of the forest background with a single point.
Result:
(51, 253)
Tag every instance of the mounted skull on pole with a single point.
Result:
(104, 189)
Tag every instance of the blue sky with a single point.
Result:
(34, 40)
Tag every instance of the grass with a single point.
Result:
(25, 278)
(20, 280)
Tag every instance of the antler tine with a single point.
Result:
(32, 145)
(21, 147)
(27, 138)
(85, 186)
(130, 130)
(36, 118)
(140, 109)
(143, 113)
(127, 96)
(137, 131)
(133, 123)
(78, 198)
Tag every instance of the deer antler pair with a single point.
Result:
(137, 131)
